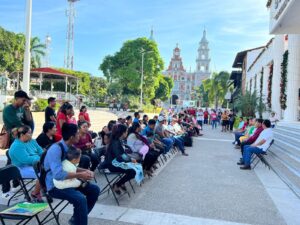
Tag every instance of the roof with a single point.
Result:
(269, 3)
(239, 59)
(261, 53)
(50, 71)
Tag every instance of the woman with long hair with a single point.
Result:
(62, 117)
(86, 145)
(139, 144)
(118, 161)
(83, 115)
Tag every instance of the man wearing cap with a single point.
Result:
(13, 116)
(159, 130)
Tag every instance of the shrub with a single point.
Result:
(40, 104)
(102, 104)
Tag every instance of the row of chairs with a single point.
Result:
(10, 173)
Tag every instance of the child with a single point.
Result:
(70, 166)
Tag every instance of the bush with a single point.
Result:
(40, 104)
(102, 104)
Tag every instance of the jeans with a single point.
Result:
(248, 151)
(179, 142)
(205, 120)
(82, 199)
(237, 136)
(214, 124)
(200, 122)
(168, 142)
(243, 144)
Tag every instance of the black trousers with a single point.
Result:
(92, 161)
(6, 186)
(129, 174)
(150, 159)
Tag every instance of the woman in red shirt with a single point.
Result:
(83, 115)
(62, 117)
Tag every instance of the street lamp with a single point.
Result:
(27, 57)
(143, 52)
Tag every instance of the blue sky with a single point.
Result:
(103, 25)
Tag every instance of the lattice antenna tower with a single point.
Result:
(69, 56)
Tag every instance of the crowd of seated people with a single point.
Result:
(71, 154)
(252, 138)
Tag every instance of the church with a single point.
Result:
(186, 83)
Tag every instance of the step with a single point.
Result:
(287, 144)
(289, 160)
(292, 134)
(284, 172)
(288, 128)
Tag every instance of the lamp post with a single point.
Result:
(27, 56)
(143, 52)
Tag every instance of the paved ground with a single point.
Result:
(206, 187)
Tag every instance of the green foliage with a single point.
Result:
(123, 69)
(12, 47)
(216, 88)
(283, 82)
(102, 104)
(203, 95)
(165, 85)
(40, 104)
(249, 103)
(98, 88)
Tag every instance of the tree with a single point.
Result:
(216, 87)
(203, 96)
(37, 50)
(123, 69)
(165, 86)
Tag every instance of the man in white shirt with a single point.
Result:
(259, 146)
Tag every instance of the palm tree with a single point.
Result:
(37, 50)
(217, 87)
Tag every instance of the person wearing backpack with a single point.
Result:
(83, 199)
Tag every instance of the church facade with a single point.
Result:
(186, 83)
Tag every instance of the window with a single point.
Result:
(202, 56)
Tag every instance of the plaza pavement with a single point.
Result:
(205, 188)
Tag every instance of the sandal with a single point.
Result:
(37, 197)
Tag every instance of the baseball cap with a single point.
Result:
(21, 94)
(161, 118)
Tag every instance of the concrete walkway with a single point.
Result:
(207, 187)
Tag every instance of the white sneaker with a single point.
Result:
(15, 190)
(7, 195)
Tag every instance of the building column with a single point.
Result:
(293, 79)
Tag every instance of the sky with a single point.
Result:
(101, 27)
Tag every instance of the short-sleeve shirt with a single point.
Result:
(48, 113)
(13, 117)
(85, 116)
(60, 116)
(213, 116)
(267, 135)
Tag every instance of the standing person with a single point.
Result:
(231, 120)
(46, 138)
(214, 119)
(205, 116)
(85, 144)
(200, 118)
(13, 116)
(136, 117)
(50, 115)
(83, 115)
(273, 118)
(83, 199)
(28, 118)
(62, 117)
(224, 121)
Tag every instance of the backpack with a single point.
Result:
(42, 170)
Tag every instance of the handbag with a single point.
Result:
(4, 138)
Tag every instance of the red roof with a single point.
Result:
(48, 70)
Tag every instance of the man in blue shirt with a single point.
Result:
(136, 117)
(82, 199)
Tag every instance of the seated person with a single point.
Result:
(85, 144)
(161, 134)
(46, 138)
(136, 117)
(240, 131)
(259, 146)
(116, 160)
(128, 122)
(83, 199)
(70, 165)
(248, 132)
(140, 145)
(24, 152)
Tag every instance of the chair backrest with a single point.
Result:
(9, 173)
(271, 143)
